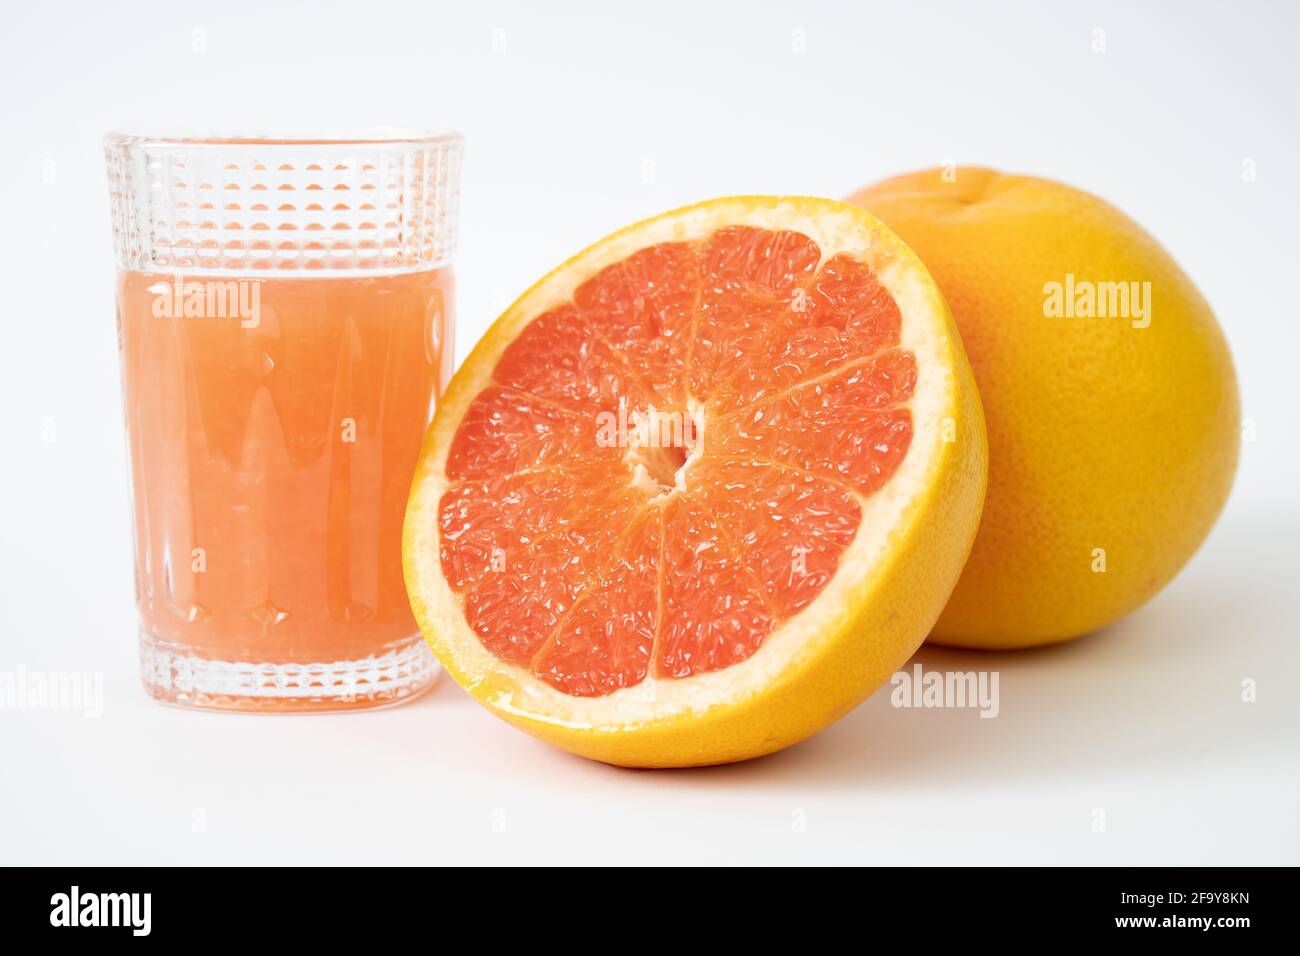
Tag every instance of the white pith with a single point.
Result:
(836, 229)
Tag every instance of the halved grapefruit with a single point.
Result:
(702, 488)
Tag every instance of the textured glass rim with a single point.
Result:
(406, 220)
(399, 139)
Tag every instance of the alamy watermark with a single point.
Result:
(977, 690)
(1083, 299)
(53, 690)
(651, 428)
(76, 908)
(209, 299)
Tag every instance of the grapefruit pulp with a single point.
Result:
(702, 488)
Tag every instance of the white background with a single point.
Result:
(579, 121)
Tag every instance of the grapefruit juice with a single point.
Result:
(273, 427)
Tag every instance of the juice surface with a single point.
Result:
(273, 434)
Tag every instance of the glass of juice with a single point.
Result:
(284, 315)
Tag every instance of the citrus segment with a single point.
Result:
(714, 611)
(605, 642)
(507, 431)
(790, 525)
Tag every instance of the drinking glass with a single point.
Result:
(284, 315)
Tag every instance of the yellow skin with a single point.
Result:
(1103, 436)
(817, 666)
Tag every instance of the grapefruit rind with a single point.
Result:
(892, 580)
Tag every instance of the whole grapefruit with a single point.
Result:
(1108, 388)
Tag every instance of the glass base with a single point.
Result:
(174, 675)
